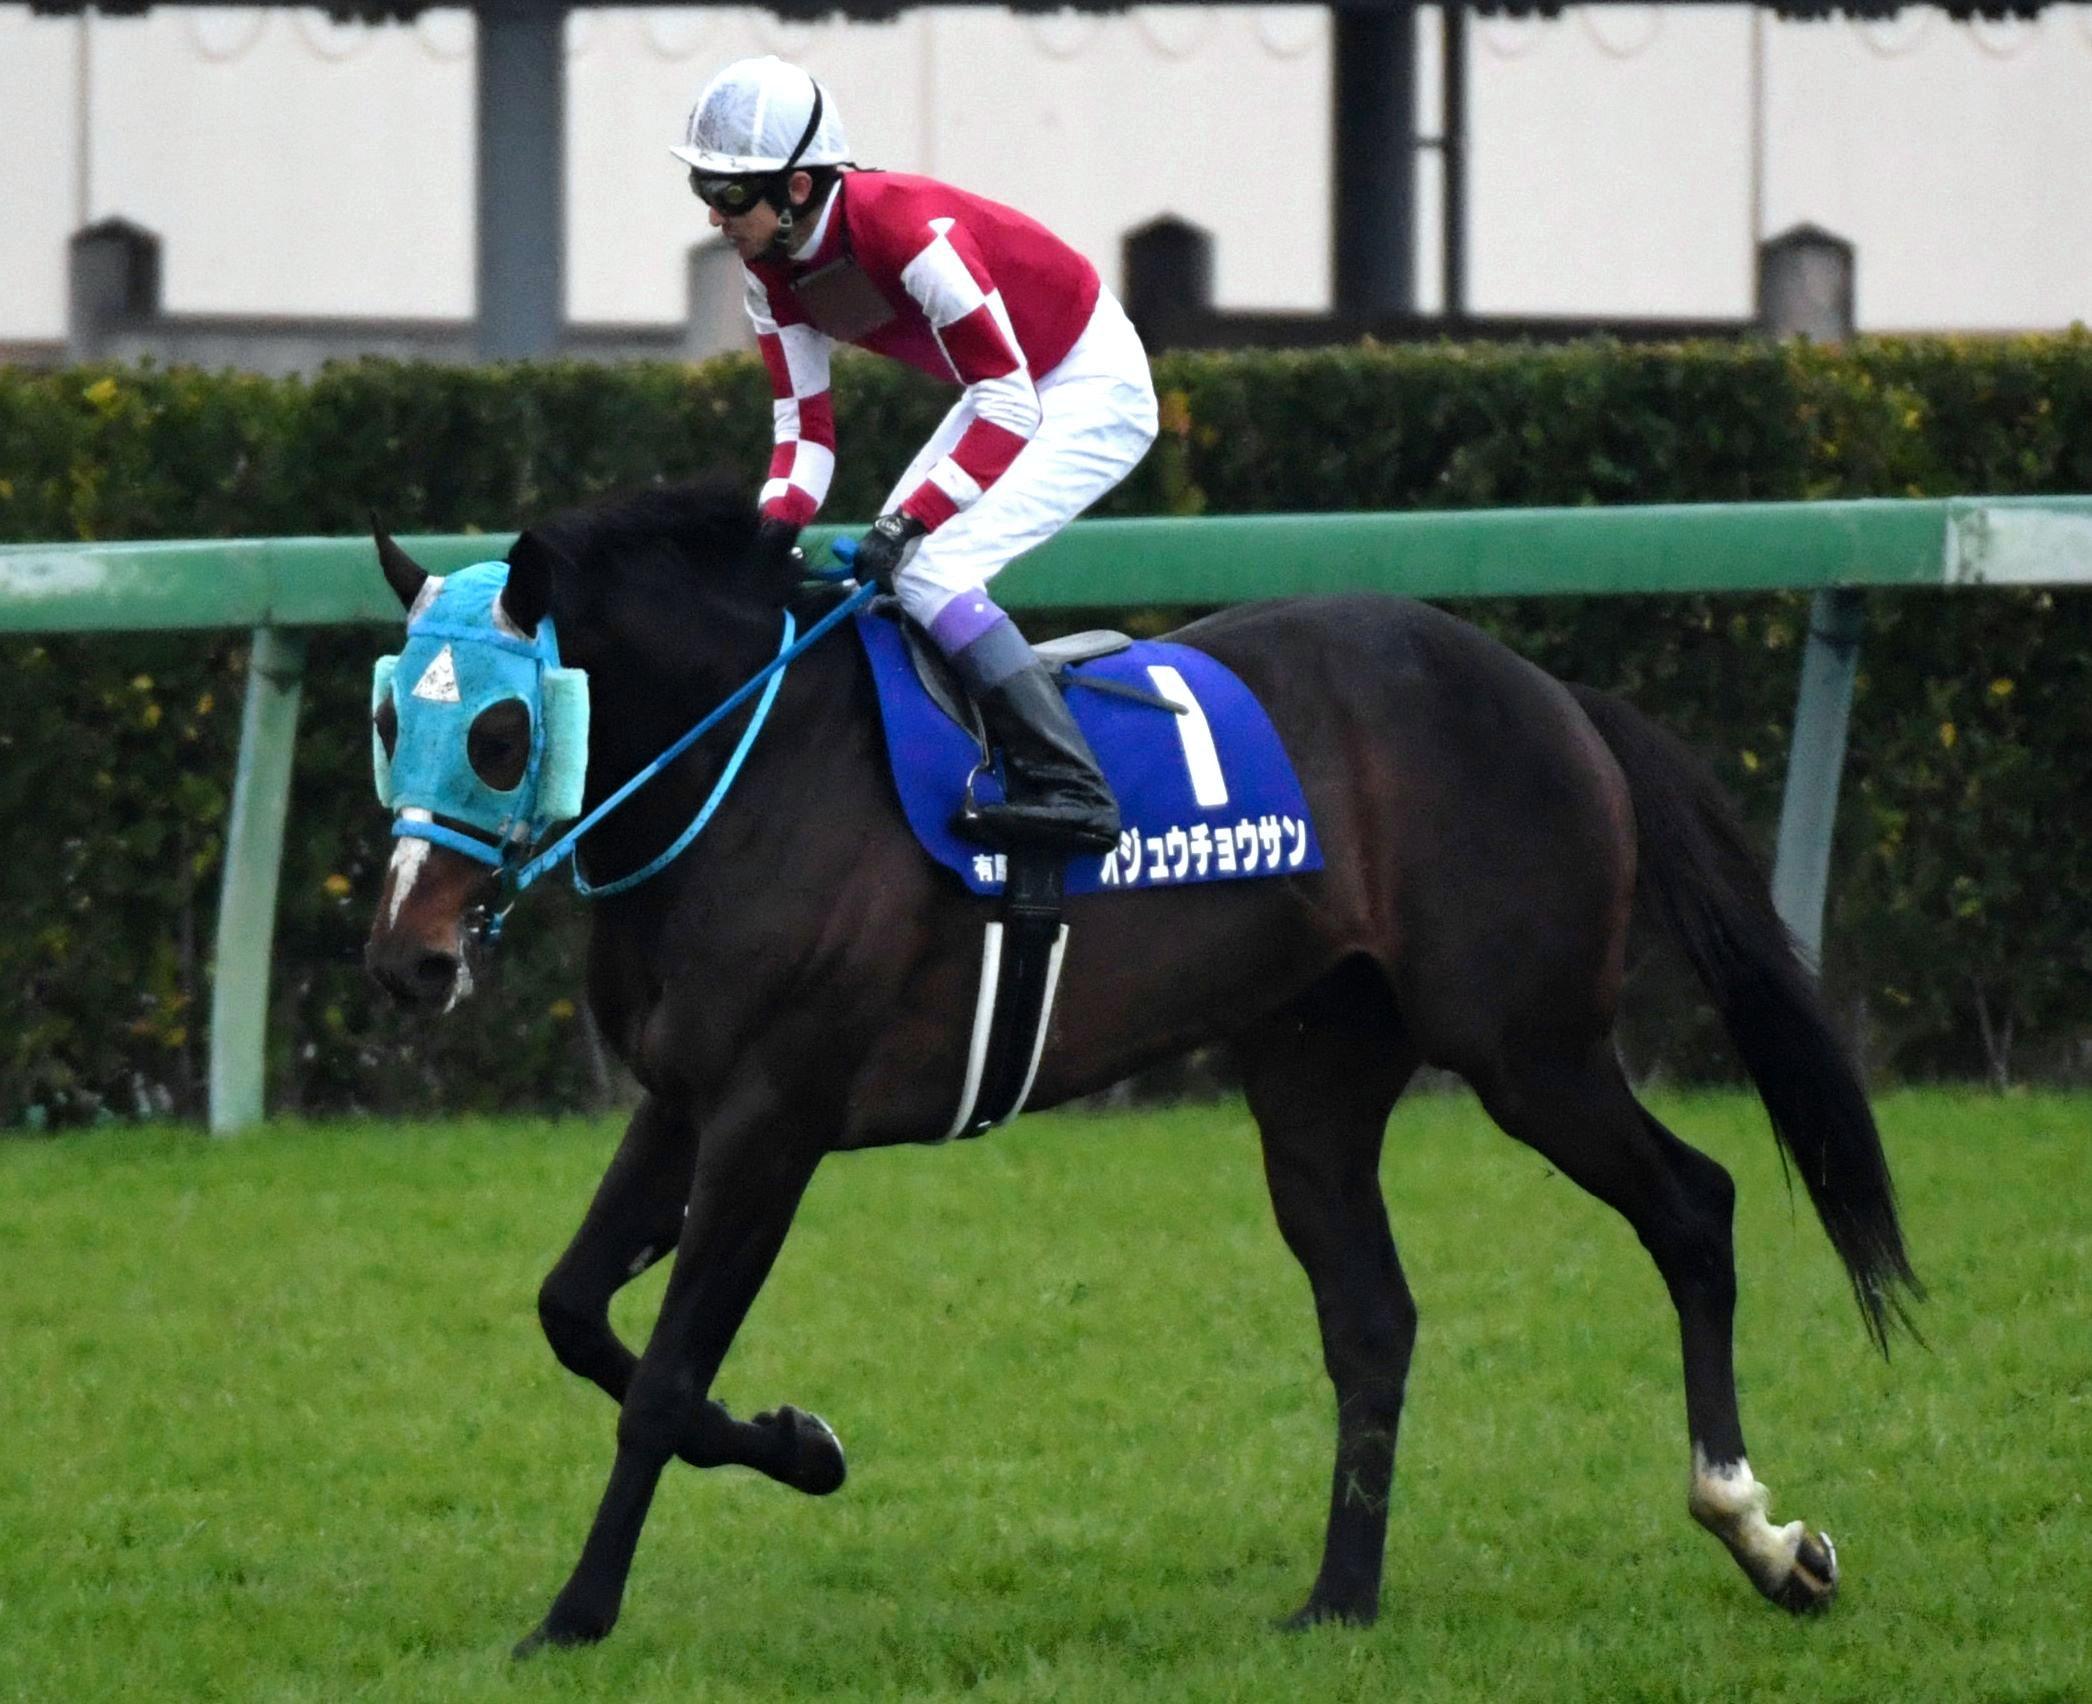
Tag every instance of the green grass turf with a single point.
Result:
(276, 1422)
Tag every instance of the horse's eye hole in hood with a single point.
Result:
(386, 719)
(498, 745)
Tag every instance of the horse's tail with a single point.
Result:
(1700, 877)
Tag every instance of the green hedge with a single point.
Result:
(1961, 933)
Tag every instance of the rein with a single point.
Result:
(767, 680)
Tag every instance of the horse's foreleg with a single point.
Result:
(1321, 1081)
(1584, 1118)
(635, 1220)
(750, 1173)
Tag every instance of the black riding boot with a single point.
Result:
(1054, 794)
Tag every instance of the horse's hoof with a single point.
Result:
(813, 1453)
(1322, 1612)
(558, 1632)
(1813, 1581)
(1791, 1566)
(542, 1637)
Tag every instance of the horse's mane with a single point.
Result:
(667, 549)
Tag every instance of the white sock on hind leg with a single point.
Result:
(1729, 1502)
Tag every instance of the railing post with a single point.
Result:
(253, 863)
(1806, 288)
(1815, 764)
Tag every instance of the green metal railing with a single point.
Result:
(277, 587)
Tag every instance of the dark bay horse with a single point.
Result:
(802, 979)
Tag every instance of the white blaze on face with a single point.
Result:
(409, 853)
(1730, 1503)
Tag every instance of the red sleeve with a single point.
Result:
(949, 279)
(795, 355)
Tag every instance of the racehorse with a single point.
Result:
(799, 979)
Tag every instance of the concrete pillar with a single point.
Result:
(1166, 266)
(112, 283)
(1452, 153)
(1805, 284)
(1373, 165)
(522, 178)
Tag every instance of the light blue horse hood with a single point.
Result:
(459, 661)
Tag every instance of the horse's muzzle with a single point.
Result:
(424, 928)
(422, 977)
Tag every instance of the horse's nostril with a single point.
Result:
(433, 974)
(421, 977)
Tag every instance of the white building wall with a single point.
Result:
(1611, 158)
(39, 168)
(1093, 125)
(1958, 158)
(1623, 158)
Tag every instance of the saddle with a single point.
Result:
(1207, 791)
(1061, 657)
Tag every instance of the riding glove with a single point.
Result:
(881, 551)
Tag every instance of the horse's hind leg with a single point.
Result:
(1321, 1078)
(1582, 1116)
(634, 1221)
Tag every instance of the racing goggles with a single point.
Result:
(731, 195)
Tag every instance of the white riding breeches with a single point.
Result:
(1097, 419)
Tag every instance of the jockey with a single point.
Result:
(1057, 405)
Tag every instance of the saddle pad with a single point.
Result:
(1206, 797)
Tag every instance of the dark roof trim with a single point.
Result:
(378, 11)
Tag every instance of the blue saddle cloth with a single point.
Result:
(1205, 797)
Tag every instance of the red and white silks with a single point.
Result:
(1057, 406)
(1096, 420)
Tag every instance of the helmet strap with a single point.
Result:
(780, 192)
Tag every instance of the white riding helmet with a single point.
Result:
(755, 117)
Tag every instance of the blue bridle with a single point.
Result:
(485, 664)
